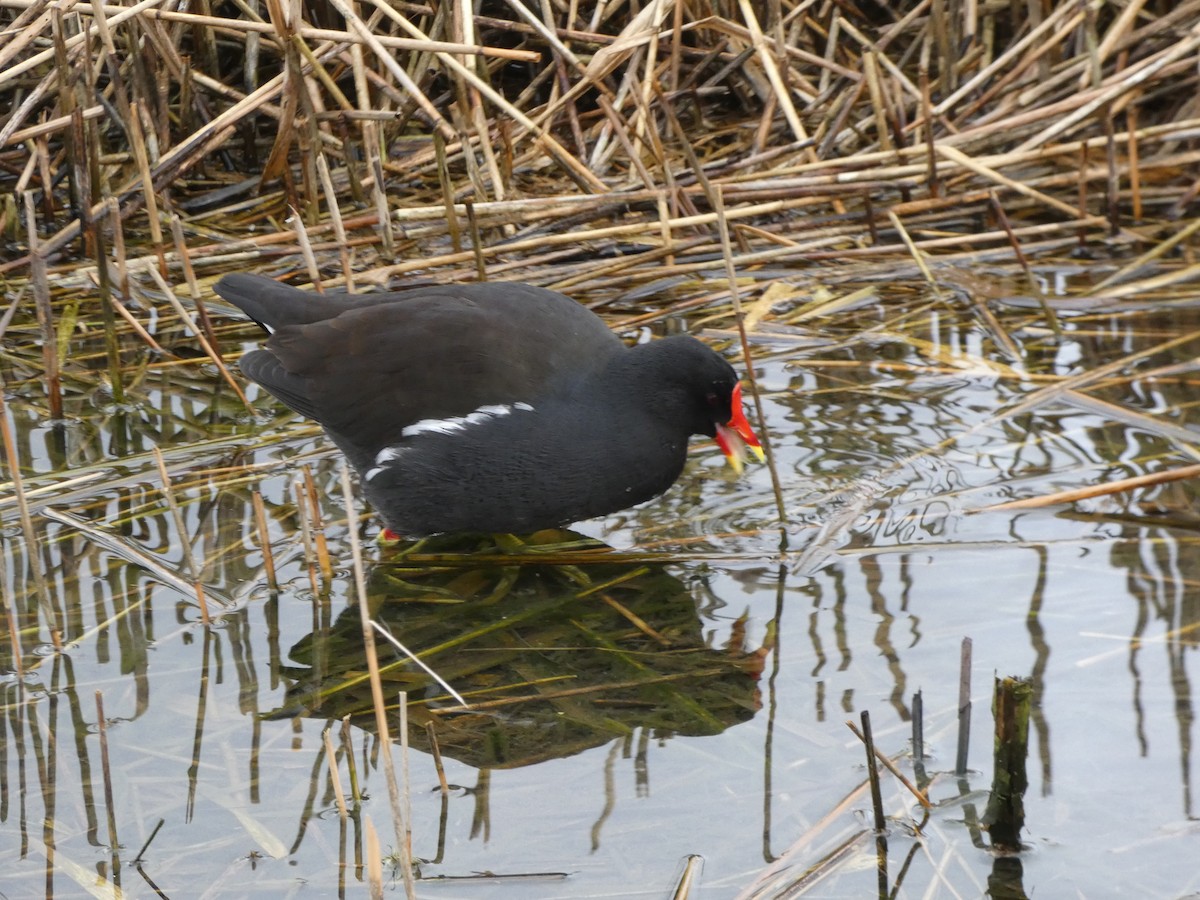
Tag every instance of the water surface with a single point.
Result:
(686, 696)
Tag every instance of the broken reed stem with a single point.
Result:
(692, 867)
(1034, 287)
(106, 772)
(202, 602)
(891, 767)
(402, 714)
(335, 219)
(414, 658)
(436, 750)
(1135, 173)
(873, 773)
(6, 319)
(108, 317)
(146, 845)
(377, 697)
(476, 242)
(306, 535)
(443, 172)
(374, 860)
(306, 250)
(137, 141)
(335, 778)
(1097, 490)
(1158, 251)
(264, 540)
(1004, 818)
(45, 313)
(198, 333)
(351, 763)
(918, 737)
(318, 523)
(27, 529)
(718, 202)
(14, 642)
(168, 492)
(915, 253)
(964, 708)
(189, 278)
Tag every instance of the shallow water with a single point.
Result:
(714, 724)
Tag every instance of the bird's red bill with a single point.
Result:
(736, 435)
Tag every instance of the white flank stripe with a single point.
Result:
(452, 425)
(382, 458)
(460, 423)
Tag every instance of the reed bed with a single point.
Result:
(421, 141)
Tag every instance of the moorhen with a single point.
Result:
(490, 407)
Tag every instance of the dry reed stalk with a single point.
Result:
(689, 878)
(762, 883)
(643, 124)
(1115, 90)
(306, 251)
(14, 642)
(1184, 438)
(27, 530)
(168, 492)
(130, 552)
(482, 128)
(402, 725)
(374, 860)
(400, 823)
(335, 220)
(389, 62)
(449, 211)
(106, 774)
(306, 535)
(189, 277)
(1147, 285)
(264, 540)
(571, 166)
(199, 335)
(107, 311)
(731, 277)
(435, 750)
(7, 318)
(1032, 38)
(887, 763)
(318, 524)
(915, 252)
(637, 165)
(1135, 176)
(351, 765)
(29, 35)
(1034, 287)
(334, 776)
(782, 94)
(1157, 252)
(45, 314)
(476, 242)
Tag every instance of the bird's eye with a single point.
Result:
(712, 399)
